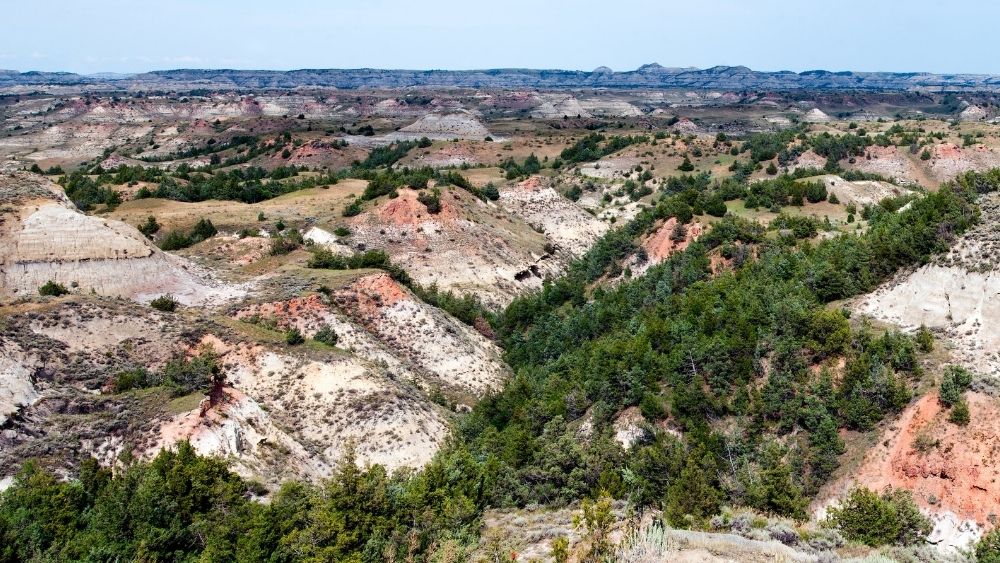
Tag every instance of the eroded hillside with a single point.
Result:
(708, 305)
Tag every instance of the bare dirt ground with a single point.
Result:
(956, 295)
(48, 239)
(563, 222)
(859, 192)
(446, 125)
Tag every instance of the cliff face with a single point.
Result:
(647, 76)
(46, 238)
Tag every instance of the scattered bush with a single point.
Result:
(286, 242)
(137, 378)
(293, 337)
(165, 303)
(491, 192)
(876, 520)
(925, 339)
(960, 413)
(431, 200)
(176, 240)
(352, 209)
(51, 288)
(150, 227)
(954, 381)
(323, 258)
(186, 375)
(326, 335)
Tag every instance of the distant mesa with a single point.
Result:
(651, 67)
(652, 75)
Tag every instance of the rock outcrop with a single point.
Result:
(44, 237)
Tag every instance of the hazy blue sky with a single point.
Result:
(128, 36)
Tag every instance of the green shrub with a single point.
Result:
(186, 375)
(323, 258)
(352, 209)
(52, 288)
(491, 192)
(960, 413)
(925, 339)
(715, 207)
(165, 303)
(431, 200)
(326, 335)
(816, 192)
(175, 240)
(203, 230)
(150, 227)
(954, 381)
(342, 231)
(137, 378)
(876, 520)
(284, 243)
(293, 337)
(988, 547)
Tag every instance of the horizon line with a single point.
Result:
(488, 69)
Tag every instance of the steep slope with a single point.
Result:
(953, 471)
(470, 246)
(566, 224)
(379, 320)
(43, 237)
(957, 295)
(278, 412)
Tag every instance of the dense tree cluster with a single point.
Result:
(176, 240)
(390, 154)
(183, 507)
(596, 145)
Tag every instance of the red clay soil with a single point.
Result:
(366, 296)
(512, 100)
(211, 410)
(877, 152)
(532, 184)
(319, 152)
(659, 246)
(961, 472)
(406, 210)
(948, 150)
(285, 313)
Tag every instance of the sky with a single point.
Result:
(88, 36)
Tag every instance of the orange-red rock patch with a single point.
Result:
(959, 467)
